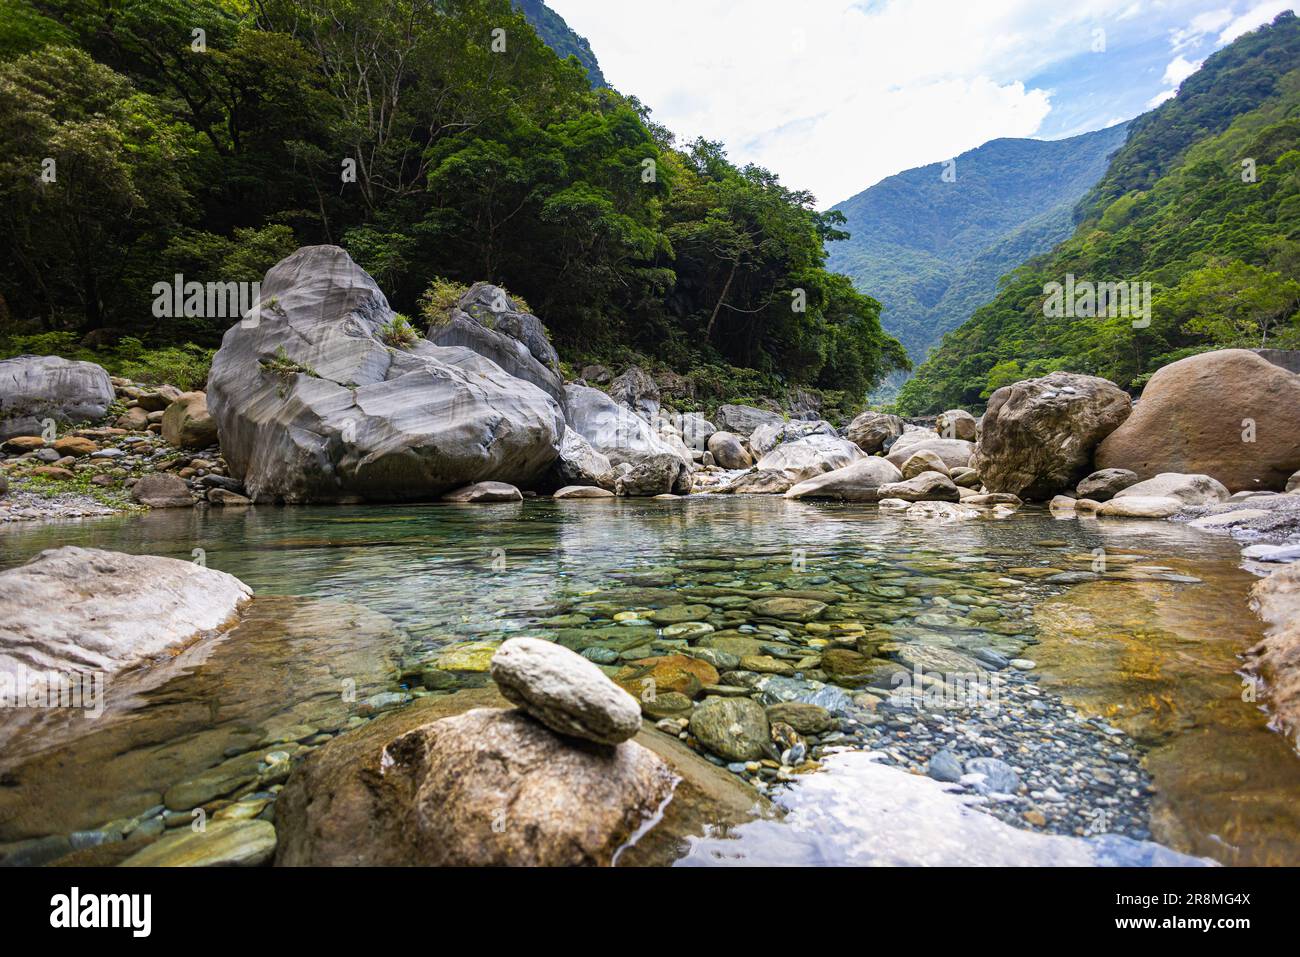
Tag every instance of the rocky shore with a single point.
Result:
(748, 674)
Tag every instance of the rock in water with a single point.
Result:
(228, 843)
(1277, 658)
(492, 324)
(35, 388)
(1229, 414)
(481, 492)
(626, 439)
(872, 431)
(1103, 484)
(85, 609)
(732, 728)
(1188, 489)
(859, 482)
(1038, 436)
(187, 424)
(564, 691)
(805, 458)
(485, 788)
(313, 405)
(926, 487)
(580, 464)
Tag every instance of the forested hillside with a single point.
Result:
(555, 33)
(1203, 202)
(440, 144)
(932, 242)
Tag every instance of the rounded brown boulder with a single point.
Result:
(1229, 414)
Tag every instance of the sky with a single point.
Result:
(835, 95)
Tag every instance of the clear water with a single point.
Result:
(447, 574)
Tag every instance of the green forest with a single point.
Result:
(1203, 202)
(438, 142)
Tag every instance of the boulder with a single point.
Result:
(225, 498)
(36, 388)
(955, 453)
(768, 435)
(807, 457)
(564, 691)
(74, 445)
(1103, 485)
(580, 464)
(135, 419)
(728, 451)
(312, 404)
(1276, 659)
(696, 430)
(759, 482)
(626, 439)
(84, 610)
(926, 487)
(957, 424)
(483, 492)
(187, 424)
(1293, 483)
(635, 391)
(923, 460)
(1136, 506)
(162, 490)
(804, 718)
(873, 431)
(488, 787)
(859, 482)
(735, 729)
(489, 322)
(582, 491)
(1038, 436)
(1188, 489)
(742, 420)
(1230, 414)
(19, 444)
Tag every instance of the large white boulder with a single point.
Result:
(313, 405)
(625, 438)
(810, 456)
(771, 434)
(35, 388)
(859, 482)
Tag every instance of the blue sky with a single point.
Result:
(834, 95)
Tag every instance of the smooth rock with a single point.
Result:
(735, 729)
(162, 490)
(859, 482)
(873, 431)
(1188, 489)
(482, 492)
(36, 388)
(1103, 485)
(226, 843)
(187, 424)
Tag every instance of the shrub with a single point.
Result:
(398, 332)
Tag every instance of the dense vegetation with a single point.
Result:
(213, 155)
(555, 33)
(1203, 202)
(932, 246)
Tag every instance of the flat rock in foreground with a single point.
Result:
(85, 609)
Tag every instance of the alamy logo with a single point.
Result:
(208, 300)
(1098, 300)
(103, 910)
(53, 689)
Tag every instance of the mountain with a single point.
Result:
(557, 35)
(1202, 202)
(932, 249)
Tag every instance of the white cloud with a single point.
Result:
(1202, 24)
(1179, 69)
(834, 95)
(1160, 98)
(1254, 17)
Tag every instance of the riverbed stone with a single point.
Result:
(1104, 484)
(582, 491)
(786, 608)
(484, 492)
(565, 691)
(1139, 506)
(103, 610)
(859, 482)
(1188, 489)
(735, 729)
(487, 787)
(222, 843)
(683, 674)
(998, 775)
(926, 487)
(804, 718)
(1037, 437)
